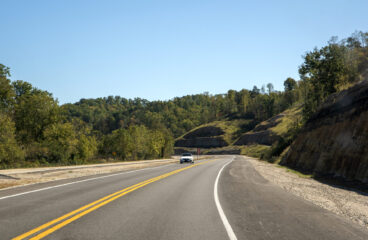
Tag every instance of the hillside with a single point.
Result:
(37, 131)
(239, 136)
(216, 134)
(334, 141)
(271, 130)
(269, 134)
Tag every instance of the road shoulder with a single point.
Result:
(259, 209)
(350, 204)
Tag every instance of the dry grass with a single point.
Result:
(291, 117)
(254, 150)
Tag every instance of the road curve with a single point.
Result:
(169, 202)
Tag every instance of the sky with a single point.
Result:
(158, 50)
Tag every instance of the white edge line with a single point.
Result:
(70, 183)
(226, 223)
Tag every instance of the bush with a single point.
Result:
(61, 143)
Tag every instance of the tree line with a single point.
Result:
(36, 130)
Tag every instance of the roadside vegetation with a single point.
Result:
(36, 131)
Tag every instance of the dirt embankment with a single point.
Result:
(16, 177)
(334, 142)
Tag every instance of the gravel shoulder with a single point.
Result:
(349, 204)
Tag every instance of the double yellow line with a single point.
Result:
(80, 212)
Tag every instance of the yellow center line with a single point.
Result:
(78, 213)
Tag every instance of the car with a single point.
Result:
(186, 157)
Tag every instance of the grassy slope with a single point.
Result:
(232, 128)
(290, 118)
(255, 150)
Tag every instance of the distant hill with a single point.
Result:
(239, 136)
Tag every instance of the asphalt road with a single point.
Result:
(168, 202)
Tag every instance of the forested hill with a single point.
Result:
(36, 130)
(180, 114)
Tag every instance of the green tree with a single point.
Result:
(10, 152)
(326, 71)
(86, 147)
(61, 143)
(289, 84)
(33, 114)
(270, 88)
(6, 90)
(290, 94)
(22, 88)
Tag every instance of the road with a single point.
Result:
(175, 201)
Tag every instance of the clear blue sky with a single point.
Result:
(162, 49)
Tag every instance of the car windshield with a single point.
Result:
(186, 154)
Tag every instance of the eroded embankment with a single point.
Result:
(334, 141)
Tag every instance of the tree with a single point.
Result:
(289, 84)
(61, 142)
(34, 112)
(263, 89)
(255, 91)
(10, 152)
(270, 88)
(6, 90)
(22, 88)
(326, 71)
(86, 147)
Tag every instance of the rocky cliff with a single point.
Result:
(334, 142)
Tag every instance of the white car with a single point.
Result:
(186, 157)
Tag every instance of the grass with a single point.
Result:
(255, 150)
(291, 117)
(302, 175)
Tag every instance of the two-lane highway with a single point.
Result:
(219, 198)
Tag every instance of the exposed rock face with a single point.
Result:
(204, 137)
(265, 137)
(180, 151)
(334, 141)
(209, 131)
(212, 151)
(262, 134)
(202, 142)
(223, 152)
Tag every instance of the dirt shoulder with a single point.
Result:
(347, 203)
(23, 176)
